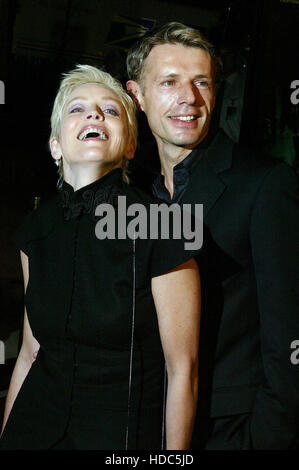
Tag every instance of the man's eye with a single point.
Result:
(168, 83)
(111, 111)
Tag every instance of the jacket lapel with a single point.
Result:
(206, 185)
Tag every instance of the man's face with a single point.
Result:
(177, 94)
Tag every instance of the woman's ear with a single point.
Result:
(130, 150)
(55, 148)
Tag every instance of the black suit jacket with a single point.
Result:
(249, 270)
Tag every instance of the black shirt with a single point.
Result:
(181, 174)
(99, 371)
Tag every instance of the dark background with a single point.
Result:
(40, 39)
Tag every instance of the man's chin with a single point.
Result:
(189, 143)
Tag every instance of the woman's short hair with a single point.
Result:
(170, 33)
(82, 75)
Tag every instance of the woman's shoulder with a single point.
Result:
(37, 223)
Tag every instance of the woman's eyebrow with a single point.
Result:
(76, 98)
(110, 98)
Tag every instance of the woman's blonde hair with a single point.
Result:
(82, 75)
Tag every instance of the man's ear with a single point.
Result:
(135, 93)
(55, 148)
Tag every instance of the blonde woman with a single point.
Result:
(103, 316)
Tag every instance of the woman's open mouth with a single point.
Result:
(93, 132)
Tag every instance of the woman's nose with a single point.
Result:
(95, 114)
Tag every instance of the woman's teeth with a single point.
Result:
(92, 130)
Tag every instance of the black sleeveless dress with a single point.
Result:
(99, 378)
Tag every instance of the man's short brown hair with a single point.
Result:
(170, 33)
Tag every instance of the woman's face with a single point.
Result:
(93, 129)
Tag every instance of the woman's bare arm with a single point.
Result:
(177, 299)
(26, 357)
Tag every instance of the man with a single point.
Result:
(248, 384)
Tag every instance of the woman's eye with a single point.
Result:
(76, 109)
(111, 111)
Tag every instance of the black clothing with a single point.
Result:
(99, 375)
(250, 315)
(181, 177)
(249, 284)
(229, 432)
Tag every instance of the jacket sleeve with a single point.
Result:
(274, 233)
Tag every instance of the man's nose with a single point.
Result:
(96, 114)
(188, 93)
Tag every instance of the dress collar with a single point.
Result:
(84, 201)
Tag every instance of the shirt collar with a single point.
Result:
(181, 177)
(104, 190)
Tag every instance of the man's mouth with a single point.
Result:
(93, 133)
(185, 118)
